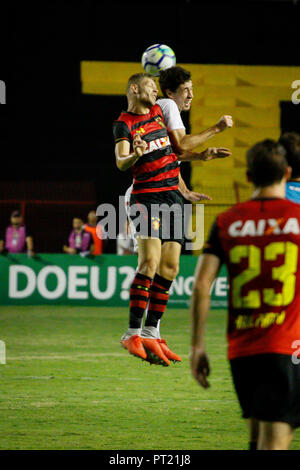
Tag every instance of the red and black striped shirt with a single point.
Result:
(157, 170)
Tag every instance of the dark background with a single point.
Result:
(50, 132)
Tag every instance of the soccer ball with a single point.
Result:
(158, 57)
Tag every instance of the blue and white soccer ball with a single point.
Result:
(158, 57)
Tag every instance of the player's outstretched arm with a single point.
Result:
(125, 159)
(206, 272)
(189, 195)
(209, 154)
(183, 142)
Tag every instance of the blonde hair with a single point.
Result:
(137, 78)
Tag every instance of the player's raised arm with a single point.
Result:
(124, 158)
(189, 195)
(177, 86)
(185, 142)
(208, 154)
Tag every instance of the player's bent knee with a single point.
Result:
(169, 270)
(148, 267)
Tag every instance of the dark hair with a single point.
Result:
(266, 163)
(171, 78)
(137, 78)
(290, 141)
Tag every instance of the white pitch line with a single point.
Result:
(71, 357)
(68, 357)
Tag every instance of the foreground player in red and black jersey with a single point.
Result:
(142, 144)
(259, 241)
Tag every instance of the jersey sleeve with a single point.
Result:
(121, 131)
(171, 114)
(213, 244)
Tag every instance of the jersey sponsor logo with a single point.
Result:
(261, 320)
(160, 121)
(262, 227)
(157, 144)
(155, 223)
(140, 130)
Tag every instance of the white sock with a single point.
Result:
(133, 331)
(150, 332)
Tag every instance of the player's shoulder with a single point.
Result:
(257, 207)
(293, 207)
(236, 209)
(122, 127)
(166, 103)
(124, 117)
(156, 110)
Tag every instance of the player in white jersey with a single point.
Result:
(177, 88)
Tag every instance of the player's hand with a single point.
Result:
(200, 366)
(213, 152)
(192, 196)
(223, 123)
(139, 145)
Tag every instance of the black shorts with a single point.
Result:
(158, 215)
(268, 387)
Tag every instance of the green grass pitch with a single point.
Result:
(68, 384)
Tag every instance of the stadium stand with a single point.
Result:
(48, 209)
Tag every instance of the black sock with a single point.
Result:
(139, 295)
(158, 299)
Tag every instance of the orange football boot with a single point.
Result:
(167, 351)
(134, 345)
(154, 352)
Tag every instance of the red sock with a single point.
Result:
(139, 295)
(159, 296)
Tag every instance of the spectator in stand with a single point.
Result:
(80, 241)
(97, 232)
(16, 237)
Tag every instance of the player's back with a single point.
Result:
(261, 244)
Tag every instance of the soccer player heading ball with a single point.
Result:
(143, 144)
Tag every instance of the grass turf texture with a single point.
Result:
(68, 384)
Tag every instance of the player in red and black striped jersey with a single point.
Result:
(158, 169)
(142, 144)
(259, 241)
